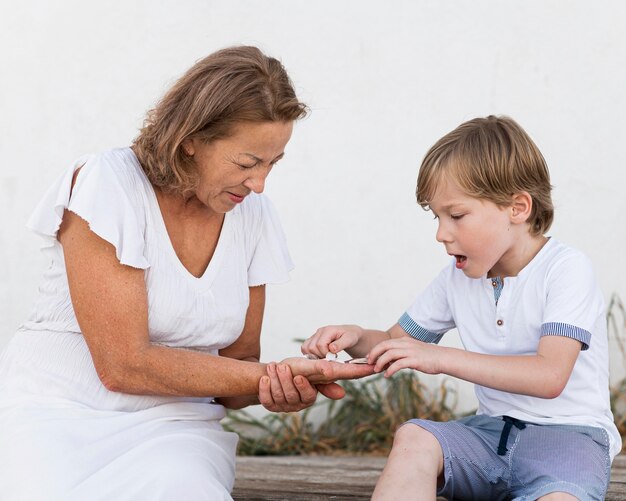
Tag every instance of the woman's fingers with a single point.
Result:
(331, 390)
(276, 389)
(333, 371)
(290, 392)
(308, 392)
(279, 391)
(265, 394)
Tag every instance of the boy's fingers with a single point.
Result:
(379, 349)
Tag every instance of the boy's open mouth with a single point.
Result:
(460, 261)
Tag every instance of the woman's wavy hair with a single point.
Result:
(230, 86)
(491, 158)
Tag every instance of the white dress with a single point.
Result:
(63, 435)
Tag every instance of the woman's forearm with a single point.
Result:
(161, 370)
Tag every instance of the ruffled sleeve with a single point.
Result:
(102, 196)
(270, 262)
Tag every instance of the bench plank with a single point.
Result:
(340, 478)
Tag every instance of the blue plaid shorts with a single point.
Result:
(495, 458)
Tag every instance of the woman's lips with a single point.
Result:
(236, 198)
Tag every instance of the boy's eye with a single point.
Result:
(456, 217)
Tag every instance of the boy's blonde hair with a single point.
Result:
(491, 158)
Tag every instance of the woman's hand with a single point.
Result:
(333, 339)
(280, 391)
(403, 353)
(324, 371)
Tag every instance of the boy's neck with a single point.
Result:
(516, 259)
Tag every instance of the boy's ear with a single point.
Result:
(521, 206)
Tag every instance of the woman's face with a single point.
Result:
(230, 168)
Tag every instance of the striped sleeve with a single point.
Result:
(571, 331)
(416, 331)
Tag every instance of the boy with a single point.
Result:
(531, 318)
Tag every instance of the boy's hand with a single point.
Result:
(401, 353)
(333, 339)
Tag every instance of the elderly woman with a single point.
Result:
(148, 320)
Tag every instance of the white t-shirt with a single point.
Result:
(56, 417)
(555, 294)
(113, 194)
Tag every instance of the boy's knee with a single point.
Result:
(558, 496)
(414, 437)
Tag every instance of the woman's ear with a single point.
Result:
(521, 206)
(187, 146)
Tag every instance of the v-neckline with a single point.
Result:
(222, 239)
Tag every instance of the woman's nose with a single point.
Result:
(256, 182)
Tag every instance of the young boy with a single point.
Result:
(531, 318)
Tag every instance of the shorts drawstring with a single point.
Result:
(509, 422)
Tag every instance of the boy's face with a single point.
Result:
(477, 232)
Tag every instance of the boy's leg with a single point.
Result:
(558, 462)
(558, 496)
(414, 465)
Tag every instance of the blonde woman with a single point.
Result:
(148, 320)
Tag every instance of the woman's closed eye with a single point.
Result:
(247, 166)
(243, 165)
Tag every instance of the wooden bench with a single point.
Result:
(343, 478)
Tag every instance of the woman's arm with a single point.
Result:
(247, 347)
(278, 390)
(111, 305)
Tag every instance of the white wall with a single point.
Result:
(384, 80)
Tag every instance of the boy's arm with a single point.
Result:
(543, 375)
(355, 340)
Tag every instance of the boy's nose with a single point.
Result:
(442, 234)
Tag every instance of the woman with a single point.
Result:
(148, 320)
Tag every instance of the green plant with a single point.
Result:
(363, 422)
(617, 331)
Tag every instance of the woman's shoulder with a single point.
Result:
(118, 164)
(116, 172)
(104, 189)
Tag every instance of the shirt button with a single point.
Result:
(500, 322)
(494, 283)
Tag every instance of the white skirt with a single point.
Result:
(64, 436)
